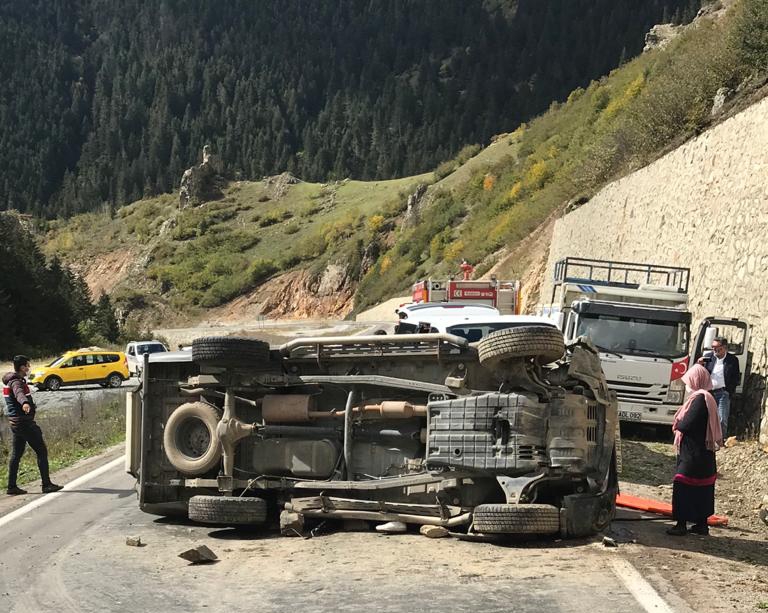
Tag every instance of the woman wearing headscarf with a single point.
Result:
(697, 437)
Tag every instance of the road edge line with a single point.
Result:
(46, 498)
(642, 591)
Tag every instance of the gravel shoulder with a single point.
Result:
(723, 572)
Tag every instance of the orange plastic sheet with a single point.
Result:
(659, 508)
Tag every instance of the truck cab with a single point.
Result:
(637, 317)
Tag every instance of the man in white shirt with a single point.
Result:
(723, 367)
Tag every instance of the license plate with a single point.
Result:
(630, 415)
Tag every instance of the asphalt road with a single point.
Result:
(69, 554)
(70, 396)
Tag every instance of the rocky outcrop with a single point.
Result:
(414, 205)
(278, 185)
(719, 100)
(661, 35)
(203, 182)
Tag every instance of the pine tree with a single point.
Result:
(105, 321)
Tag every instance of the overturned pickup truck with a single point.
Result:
(514, 434)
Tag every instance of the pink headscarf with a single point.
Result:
(698, 380)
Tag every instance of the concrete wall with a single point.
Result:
(703, 206)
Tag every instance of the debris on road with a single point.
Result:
(133, 541)
(291, 524)
(434, 532)
(392, 527)
(199, 555)
(763, 511)
(609, 542)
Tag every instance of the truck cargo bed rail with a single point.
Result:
(613, 273)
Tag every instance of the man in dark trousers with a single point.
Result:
(21, 416)
(723, 367)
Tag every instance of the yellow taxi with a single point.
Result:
(107, 368)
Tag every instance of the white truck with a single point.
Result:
(637, 316)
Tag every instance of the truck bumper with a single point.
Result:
(635, 412)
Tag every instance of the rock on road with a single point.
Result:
(69, 554)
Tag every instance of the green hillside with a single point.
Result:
(204, 256)
(602, 132)
(484, 201)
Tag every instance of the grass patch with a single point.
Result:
(81, 432)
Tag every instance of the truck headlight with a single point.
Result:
(676, 392)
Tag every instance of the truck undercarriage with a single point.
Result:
(510, 435)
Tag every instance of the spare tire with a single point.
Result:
(229, 351)
(190, 439)
(228, 510)
(543, 342)
(516, 519)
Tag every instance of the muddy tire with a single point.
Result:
(228, 510)
(229, 351)
(542, 342)
(516, 519)
(190, 439)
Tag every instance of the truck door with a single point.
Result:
(737, 333)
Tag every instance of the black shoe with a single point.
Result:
(702, 529)
(677, 531)
(51, 487)
(15, 491)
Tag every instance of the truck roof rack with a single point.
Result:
(628, 275)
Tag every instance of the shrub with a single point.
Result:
(274, 217)
(749, 36)
(444, 169)
(467, 153)
(374, 224)
(453, 251)
(310, 209)
(537, 175)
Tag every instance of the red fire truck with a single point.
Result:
(502, 295)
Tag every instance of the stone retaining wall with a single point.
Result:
(703, 206)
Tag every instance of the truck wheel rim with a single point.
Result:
(193, 438)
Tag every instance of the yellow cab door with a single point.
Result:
(72, 370)
(98, 367)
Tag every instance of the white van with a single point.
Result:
(467, 324)
(135, 351)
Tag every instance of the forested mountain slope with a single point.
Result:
(330, 248)
(107, 102)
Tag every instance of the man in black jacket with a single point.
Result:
(723, 367)
(21, 415)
